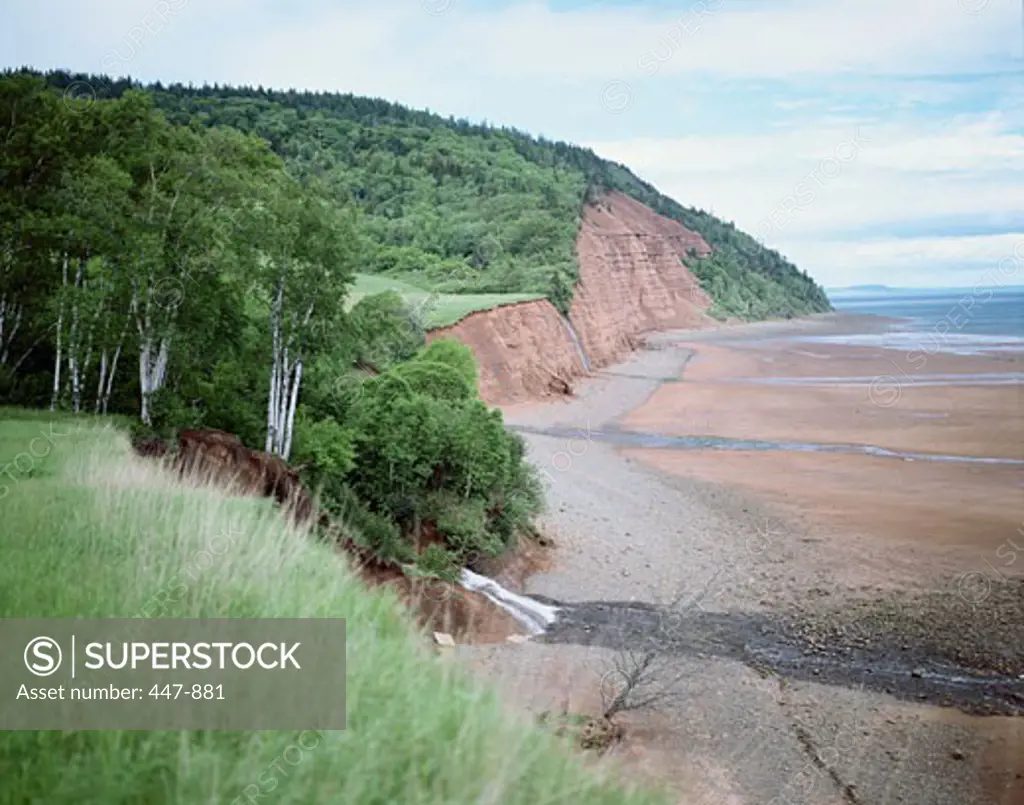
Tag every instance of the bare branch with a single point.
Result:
(639, 681)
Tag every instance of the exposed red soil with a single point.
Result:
(523, 351)
(513, 569)
(897, 412)
(632, 277)
(932, 517)
(632, 281)
(223, 456)
(437, 606)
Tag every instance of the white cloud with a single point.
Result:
(956, 261)
(726, 38)
(803, 191)
(730, 39)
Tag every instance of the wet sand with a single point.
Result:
(964, 513)
(912, 413)
(964, 517)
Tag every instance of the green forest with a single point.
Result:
(181, 257)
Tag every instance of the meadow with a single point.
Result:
(438, 309)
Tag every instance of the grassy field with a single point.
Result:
(442, 309)
(89, 530)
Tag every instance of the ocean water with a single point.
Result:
(960, 321)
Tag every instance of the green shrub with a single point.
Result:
(385, 330)
(322, 444)
(399, 441)
(427, 450)
(452, 353)
(463, 524)
(170, 413)
(436, 562)
(367, 529)
(477, 460)
(561, 291)
(440, 381)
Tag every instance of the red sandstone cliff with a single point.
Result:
(631, 277)
(631, 282)
(523, 351)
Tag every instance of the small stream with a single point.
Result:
(766, 643)
(576, 340)
(532, 615)
(629, 438)
(909, 381)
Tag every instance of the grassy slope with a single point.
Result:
(91, 531)
(441, 309)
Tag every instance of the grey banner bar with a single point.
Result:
(157, 673)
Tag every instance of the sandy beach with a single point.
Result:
(827, 567)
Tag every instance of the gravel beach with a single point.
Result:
(627, 533)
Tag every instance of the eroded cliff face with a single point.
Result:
(524, 351)
(631, 282)
(631, 278)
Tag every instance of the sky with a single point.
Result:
(870, 141)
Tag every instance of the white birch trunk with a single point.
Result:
(275, 367)
(160, 370)
(282, 401)
(86, 361)
(142, 324)
(153, 353)
(296, 383)
(10, 321)
(144, 388)
(110, 379)
(60, 329)
(268, 446)
(152, 373)
(103, 379)
(99, 306)
(74, 343)
(287, 359)
(293, 402)
(107, 371)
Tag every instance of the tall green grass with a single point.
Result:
(441, 309)
(92, 531)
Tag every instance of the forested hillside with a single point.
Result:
(458, 207)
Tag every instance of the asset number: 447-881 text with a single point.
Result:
(194, 692)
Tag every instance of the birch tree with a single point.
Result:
(90, 204)
(188, 189)
(157, 271)
(307, 259)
